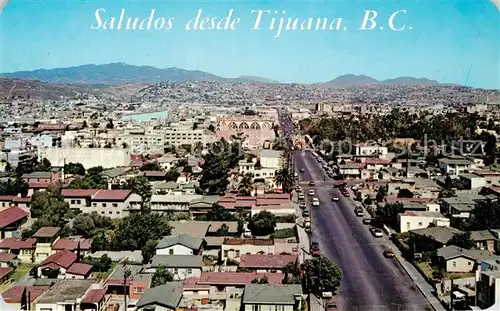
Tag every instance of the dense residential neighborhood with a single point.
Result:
(261, 203)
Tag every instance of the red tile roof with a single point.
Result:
(46, 232)
(94, 295)
(112, 195)
(11, 215)
(282, 196)
(78, 193)
(270, 202)
(8, 198)
(15, 294)
(21, 200)
(7, 257)
(39, 185)
(237, 241)
(266, 260)
(237, 278)
(4, 271)
(11, 243)
(79, 269)
(72, 245)
(392, 199)
(373, 161)
(62, 259)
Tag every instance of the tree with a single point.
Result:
(102, 264)
(148, 250)
(195, 126)
(74, 168)
(263, 280)
(387, 214)
(141, 186)
(14, 187)
(136, 230)
(110, 124)
(447, 193)
(292, 273)
(246, 185)
(490, 148)
(462, 240)
(172, 175)
(381, 193)
(405, 193)
(262, 223)
(321, 275)
(83, 224)
(161, 276)
(92, 180)
(241, 226)
(223, 230)
(151, 166)
(219, 213)
(486, 215)
(44, 166)
(50, 206)
(211, 128)
(284, 178)
(103, 240)
(368, 201)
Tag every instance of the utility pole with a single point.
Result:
(126, 275)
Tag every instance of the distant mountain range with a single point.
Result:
(120, 73)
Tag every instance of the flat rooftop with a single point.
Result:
(65, 290)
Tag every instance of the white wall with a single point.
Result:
(420, 222)
(179, 273)
(88, 157)
(177, 250)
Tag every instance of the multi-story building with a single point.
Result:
(255, 129)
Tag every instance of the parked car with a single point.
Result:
(359, 212)
(367, 221)
(312, 183)
(331, 306)
(301, 196)
(389, 254)
(345, 193)
(302, 205)
(376, 232)
(335, 199)
(305, 213)
(314, 250)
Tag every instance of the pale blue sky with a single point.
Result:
(447, 38)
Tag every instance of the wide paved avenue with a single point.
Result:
(370, 281)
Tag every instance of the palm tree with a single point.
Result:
(246, 185)
(141, 186)
(284, 178)
(198, 148)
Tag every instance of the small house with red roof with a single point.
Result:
(45, 236)
(95, 299)
(266, 262)
(6, 201)
(8, 259)
(233, 248)
(74, 245)
(11, 220)
(14, 296)
(63, 265)
(78, 199)
(25, 250)
(111, 203)
(5, 273)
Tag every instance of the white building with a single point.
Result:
(179, 245)
(412, 220)
(88, 157)
(367, 150)
(455, 166)
(473, 181)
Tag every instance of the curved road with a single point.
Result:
(370, 281)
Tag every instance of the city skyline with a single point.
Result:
(447, 41)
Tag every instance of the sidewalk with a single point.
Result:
(301, 232)
(425, 288)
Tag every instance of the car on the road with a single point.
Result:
(315, 203)
(376, 232)
(367, 220)
(312, 183)
(335, 199)
(305, 213)
(314, 250)
(302, 170)
(389, 254)
(311, 192)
